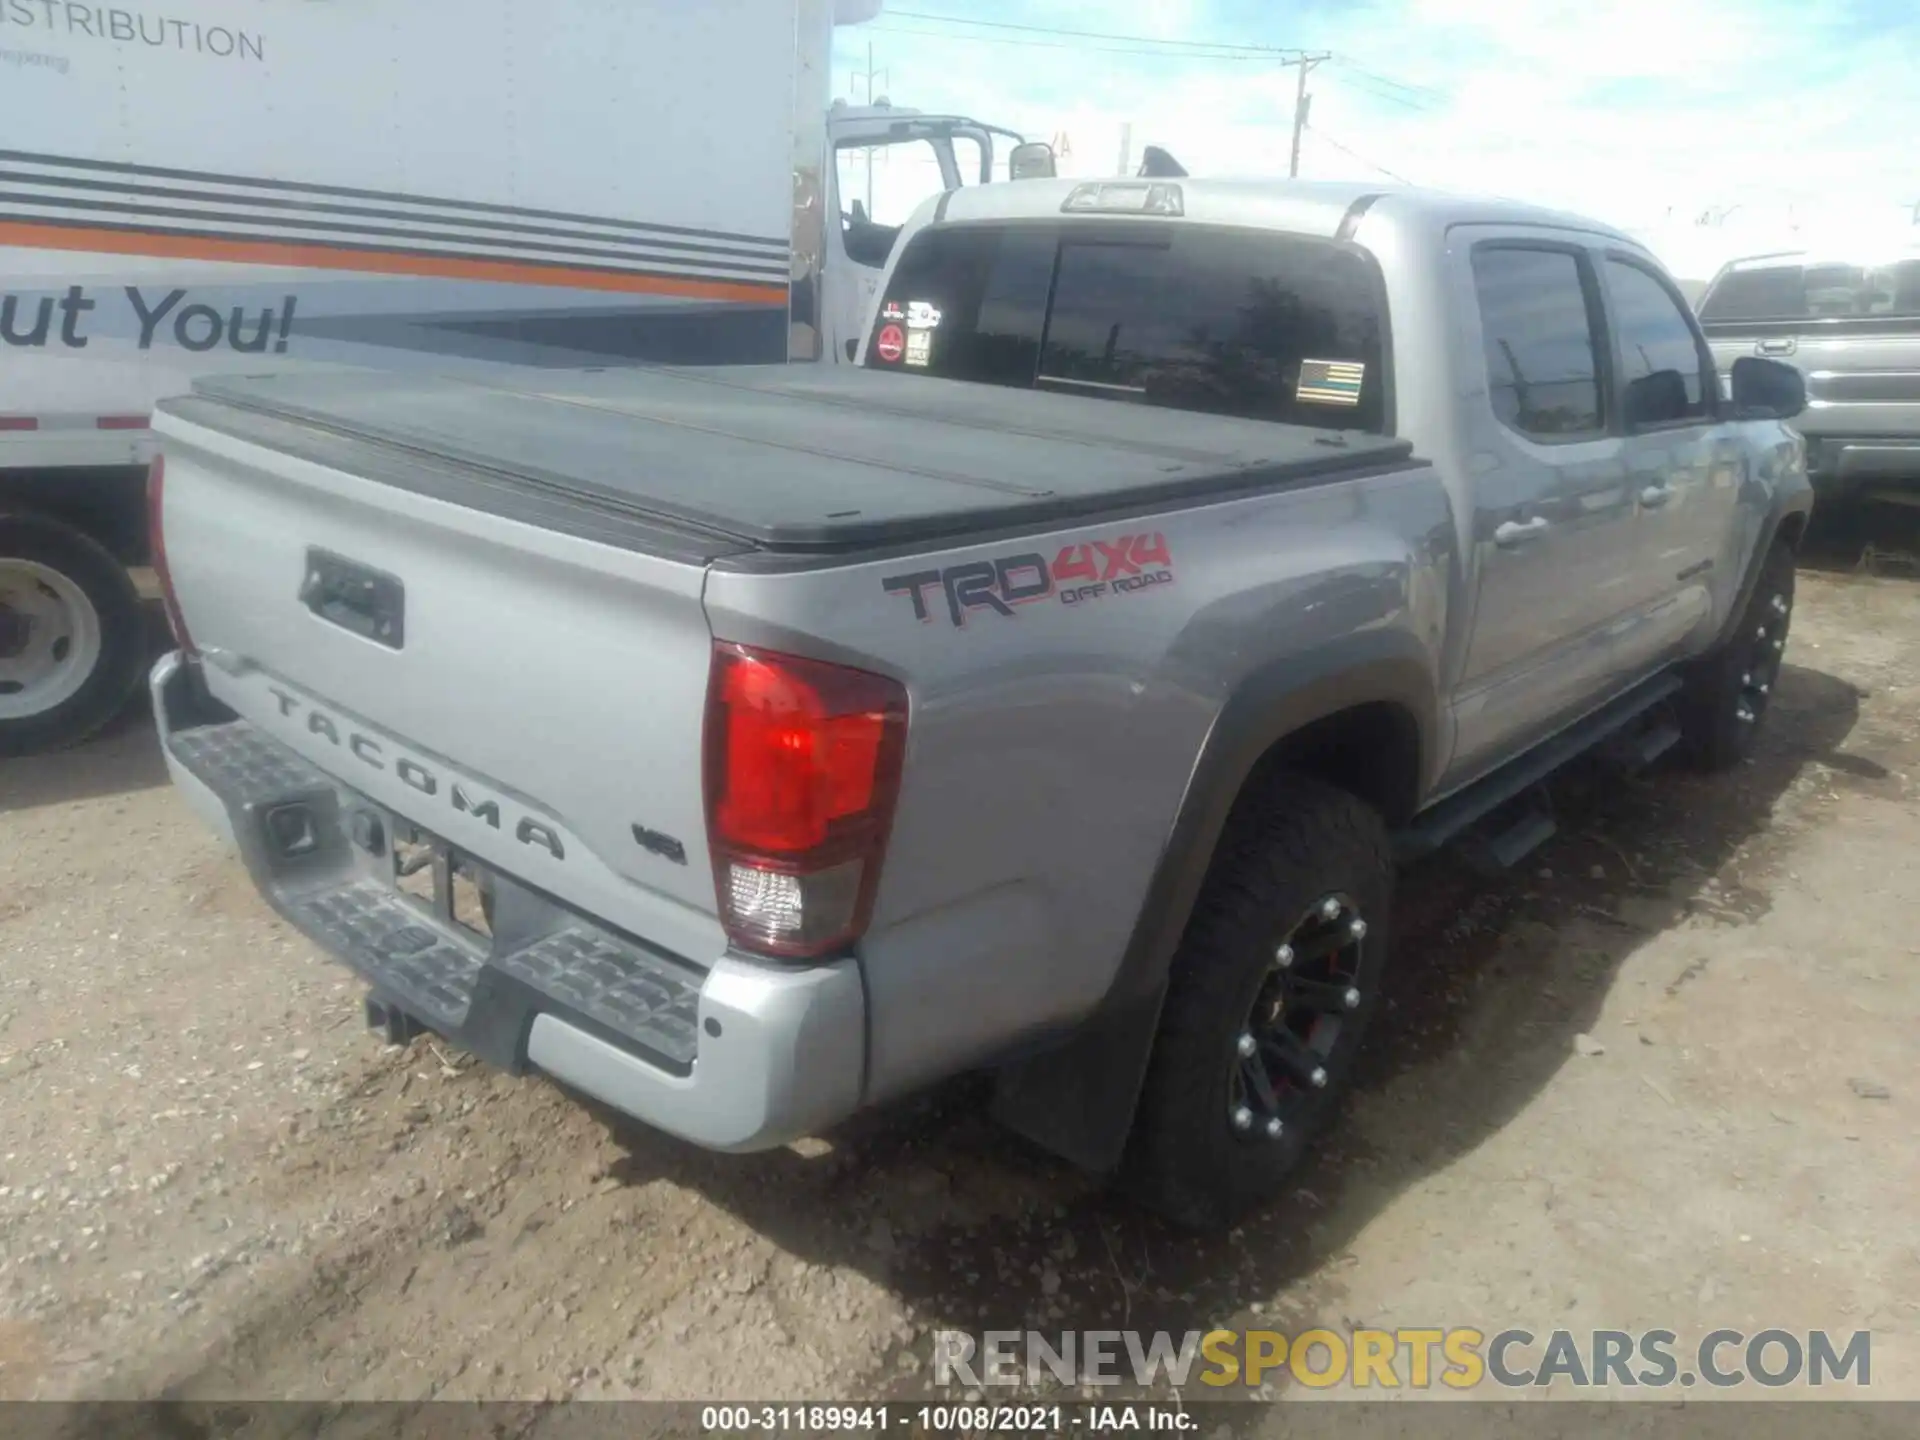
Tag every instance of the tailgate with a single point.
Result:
(531, 696)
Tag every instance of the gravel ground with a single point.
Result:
(1664, 1075)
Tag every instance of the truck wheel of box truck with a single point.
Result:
(72, 634)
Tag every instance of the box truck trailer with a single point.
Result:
(251, 185)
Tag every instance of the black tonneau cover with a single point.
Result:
(800, 457)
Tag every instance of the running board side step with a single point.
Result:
(1453, 816)
(1511, 833)
(1634, 750)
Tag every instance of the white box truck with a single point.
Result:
(248, 185)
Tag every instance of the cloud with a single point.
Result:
(1641, 112)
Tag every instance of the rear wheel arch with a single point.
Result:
(1793, 530)
(1322, 714)
(1374, 750)
(1362, 716)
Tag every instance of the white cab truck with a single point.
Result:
(253, 185)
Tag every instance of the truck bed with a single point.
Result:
(775, 458)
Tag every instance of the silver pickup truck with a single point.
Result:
(1851, 325)
(746, 747)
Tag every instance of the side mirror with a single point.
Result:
(1031, 161)
(1766, 389)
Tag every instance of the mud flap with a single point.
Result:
(1076, 1099)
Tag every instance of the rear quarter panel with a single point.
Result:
(1050, 749)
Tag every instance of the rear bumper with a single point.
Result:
(1840, 464)
(731, 1056)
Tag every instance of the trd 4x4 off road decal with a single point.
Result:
(1076, 575)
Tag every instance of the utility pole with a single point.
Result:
(1301, 102)
(1126, 151)
(870, 75)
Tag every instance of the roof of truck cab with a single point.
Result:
(1303, 207)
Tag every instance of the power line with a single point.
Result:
(1121, 44)
(1356, 155)
(1404, 101)
(1262, 50)
(1226, 53)
(1347, 63)
(1411, 96)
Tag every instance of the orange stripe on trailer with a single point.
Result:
(304, 255)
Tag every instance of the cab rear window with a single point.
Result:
(1245, 323)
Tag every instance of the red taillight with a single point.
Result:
(802, 770)
(157, 550)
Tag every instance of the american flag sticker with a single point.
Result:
(1330, 382)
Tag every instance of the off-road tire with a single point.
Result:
(1741, 675)
(122, 656)
(1296, 842)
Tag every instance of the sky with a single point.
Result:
(1779, 121)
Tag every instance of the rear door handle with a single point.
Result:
(1516, 532)
(1776, 347)
(1654, 496)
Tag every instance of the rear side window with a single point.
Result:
(1793, 292)
(1543, 367)
(1253, 324)
(1661, 370)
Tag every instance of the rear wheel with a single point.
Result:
(72, 639)
(1728, 695)
(1270, 996)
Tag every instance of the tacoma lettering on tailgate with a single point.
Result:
(1076, 575)
(381, 755)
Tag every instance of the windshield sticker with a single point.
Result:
(889, 344)
(1078, 575)
(892, 311)
(1330, 382)
(921, 315)
(919, 347)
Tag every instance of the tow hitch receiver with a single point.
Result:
(395, 1024)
